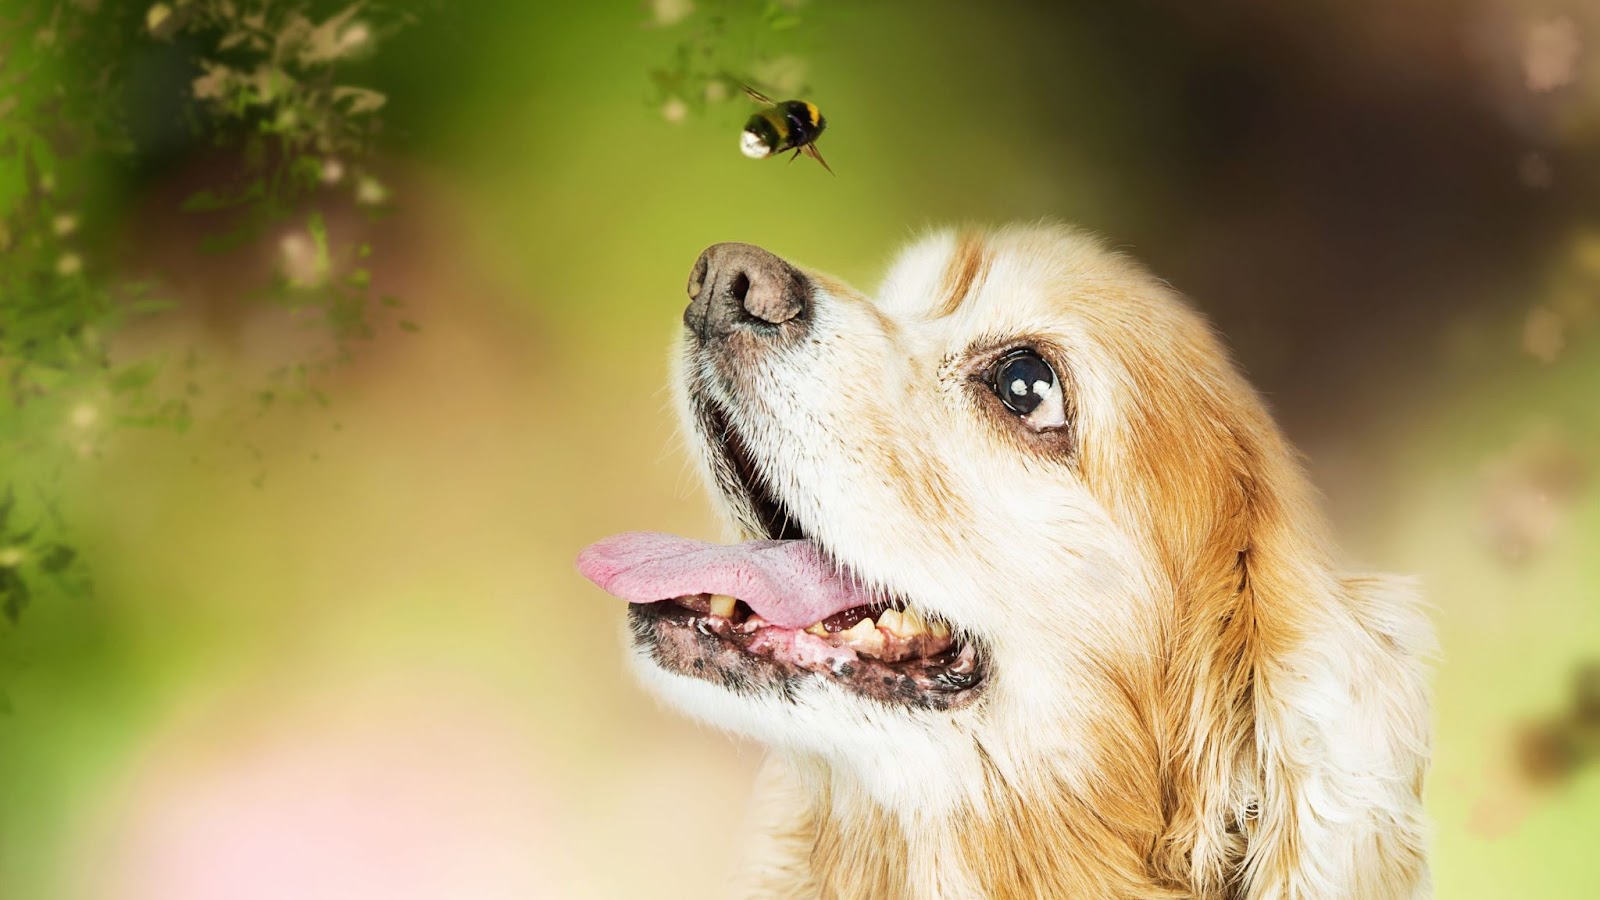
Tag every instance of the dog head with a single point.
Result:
(1012, 528)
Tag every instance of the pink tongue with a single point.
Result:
(789, 583)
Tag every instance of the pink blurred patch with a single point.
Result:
(390, 797)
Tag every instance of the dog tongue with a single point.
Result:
(790, 583)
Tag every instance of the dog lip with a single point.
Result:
(751, 657)
(740, 479)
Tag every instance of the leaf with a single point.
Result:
(57, 557)
(214, 83)
(307, 170)
(268, 83)
(779, 17)
(360, 100)
(210, 201)
(14, 594)
(331, 40)
(6, 506)
(156, 16)
(136, 376)
(294, 33)
(318, 228)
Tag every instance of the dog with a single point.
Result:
(1030, 596)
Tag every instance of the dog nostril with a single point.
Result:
(738, 287)
(697, 277)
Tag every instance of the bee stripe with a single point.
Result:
(780, 124)
(799, 132)
(967, 266)
(811, 110)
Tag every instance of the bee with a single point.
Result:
(790, 125)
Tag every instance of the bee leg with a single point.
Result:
(796, 154)
(812, 151)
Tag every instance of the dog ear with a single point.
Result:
(1333, 669)
(1331, 792)
(1300, 703)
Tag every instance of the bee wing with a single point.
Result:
(757, 96)
(812, 151)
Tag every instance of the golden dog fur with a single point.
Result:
(1187, 699)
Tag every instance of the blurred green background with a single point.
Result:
(338, 649)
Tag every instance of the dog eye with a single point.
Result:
(1028, 387)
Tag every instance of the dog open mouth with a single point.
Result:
(764, 614)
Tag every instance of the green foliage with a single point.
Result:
(726, 44)
(272, 82)
(26, 559)
(269, 89)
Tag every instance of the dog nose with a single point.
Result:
(736, 287)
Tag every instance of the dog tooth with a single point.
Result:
(722, 605)
(861, 628)
(939, 629)
(864, 637)
(912, 623)
(889, 620)
(818, 630)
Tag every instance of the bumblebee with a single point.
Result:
(790, 125)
